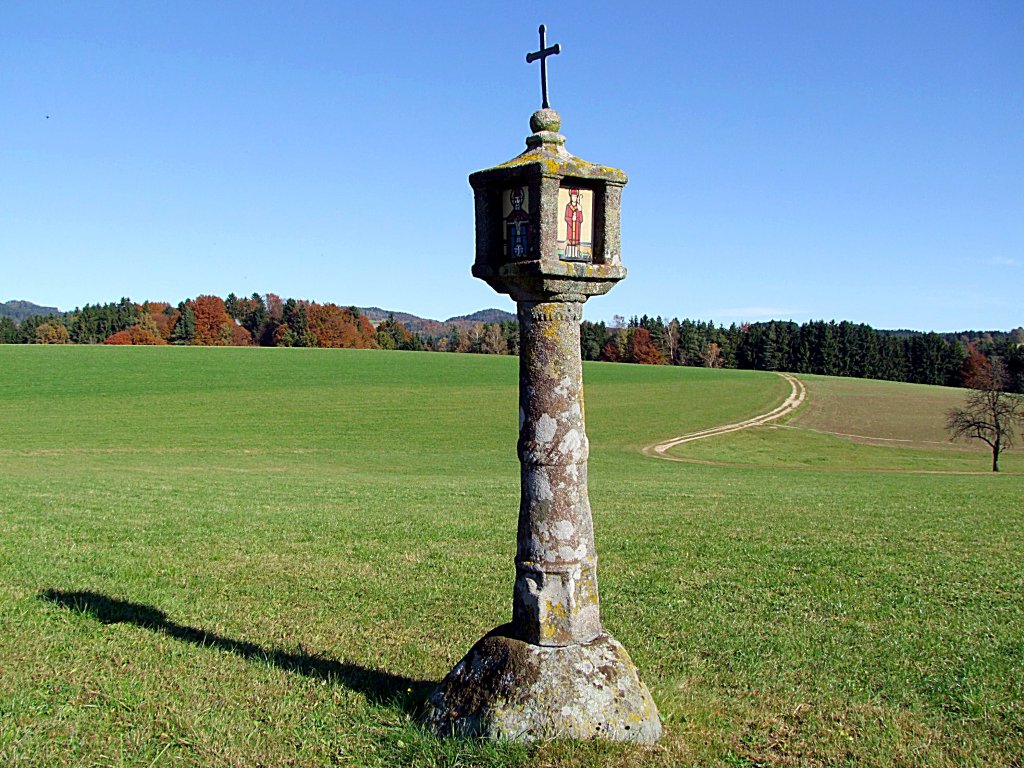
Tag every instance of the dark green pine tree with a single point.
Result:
(185, 329)
(592, 339)
(389, 334)
(690, 344)
(8, 331)
(827, 362)
(510, 332)
(255, 317)
(303, 338)
(771, 354)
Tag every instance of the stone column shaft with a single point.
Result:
(555, 601)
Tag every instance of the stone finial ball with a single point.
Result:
(545, 120)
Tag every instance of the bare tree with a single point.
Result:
(990, 413)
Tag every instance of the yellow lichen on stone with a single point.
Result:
(554, 610)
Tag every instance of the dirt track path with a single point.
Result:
(791, 403)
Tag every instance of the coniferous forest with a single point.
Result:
(820, 347)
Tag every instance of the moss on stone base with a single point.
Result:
(506, 689)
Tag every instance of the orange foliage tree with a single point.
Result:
(237, 335)
(976, 370)
(211, 316)
(642, 349)
(335, 327)
(145, 331)
(137, 334)
(275, 307)
(164, 317)
(214, 327)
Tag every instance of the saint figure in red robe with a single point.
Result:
(573, 224)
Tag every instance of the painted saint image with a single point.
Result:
(573, 225)
(517, 226)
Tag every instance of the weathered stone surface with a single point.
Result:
(545, 120)
(507, 689)
(555, 600)
(543, 169)
(553, 672)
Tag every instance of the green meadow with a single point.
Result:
(269, 557)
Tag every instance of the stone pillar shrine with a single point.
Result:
(547, 234)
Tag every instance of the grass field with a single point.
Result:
(240, 557)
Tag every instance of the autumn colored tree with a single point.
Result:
(616, 346)
(145, 331)
(211, 317)
(335, 327)
(137, 334)
(493, 341)
(275, 307)
(711, 355)
(976, 370)
(237, 336)
(472, 339)
(52, 333)
(391, 334)
(162, 315)
(610, 353)
(990, 413)
(642, 349)
(330, 326)
(366, 329)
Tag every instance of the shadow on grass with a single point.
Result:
(378, 686)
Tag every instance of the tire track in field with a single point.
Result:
(797, 395)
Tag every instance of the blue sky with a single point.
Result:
(791, 160)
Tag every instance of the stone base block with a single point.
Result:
(507, 689)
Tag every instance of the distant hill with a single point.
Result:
(376, 315)
(19, 310)
(484, 316)
(431, 328)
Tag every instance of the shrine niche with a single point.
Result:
(515, 212)
(576, 224)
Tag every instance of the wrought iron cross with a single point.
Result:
(543, 54)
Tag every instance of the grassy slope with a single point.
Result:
(311, 538)
(859, 424)
(878, 409)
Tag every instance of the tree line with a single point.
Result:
(818, 347)
(260, 320)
